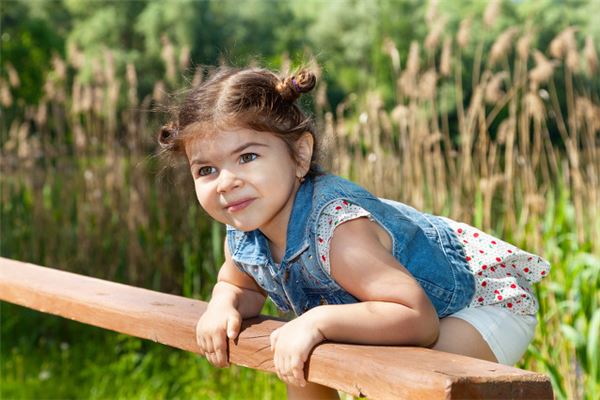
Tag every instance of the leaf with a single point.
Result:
(572, 335)
(592, 346)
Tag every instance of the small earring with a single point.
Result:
(301, 179)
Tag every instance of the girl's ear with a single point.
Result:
(304, 150)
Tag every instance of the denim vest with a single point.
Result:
(422, 243)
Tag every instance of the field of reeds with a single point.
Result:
(515, 151)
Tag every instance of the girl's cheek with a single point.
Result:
(201, 197)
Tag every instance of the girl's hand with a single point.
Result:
(218, 323)
(291, 344)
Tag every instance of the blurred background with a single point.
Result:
(484, 111)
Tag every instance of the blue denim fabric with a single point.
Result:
(421, 242)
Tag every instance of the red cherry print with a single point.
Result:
(480, 299)
(508, 274)
(468, 258)
(526, 270)
(484, 267)
(529, 258)
(498, 259)
(509, 251)
(465, 241)
(338, 207)
(513, 265)
(475, 234)
(345, 202)
(543, 272)
(320, 240)
(496, 291)
(459, 230)
(480, 273)
(494, 242)
(512, 285)
(493, 269)
(523, 295)
(503, 265)
(330, 222)
(509, 305)
(484, 283)
(481, 251)
(323, 257)
(499, 297)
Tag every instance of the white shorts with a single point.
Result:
(508, 334)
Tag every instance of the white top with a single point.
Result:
(503, 272)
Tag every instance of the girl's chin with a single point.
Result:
(244, 227)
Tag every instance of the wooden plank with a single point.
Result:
(378, 372)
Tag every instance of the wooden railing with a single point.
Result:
(377, 372)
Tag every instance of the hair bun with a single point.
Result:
(293, 86)
(167, 135)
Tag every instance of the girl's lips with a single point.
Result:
(239, 206)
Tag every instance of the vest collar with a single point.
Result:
(253, 246)
(297, 229)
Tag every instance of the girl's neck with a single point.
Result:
(277, 253)
(276, 229)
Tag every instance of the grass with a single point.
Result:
(56, 358)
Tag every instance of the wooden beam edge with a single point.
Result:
(170, 320)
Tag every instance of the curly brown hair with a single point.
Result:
(254, 98)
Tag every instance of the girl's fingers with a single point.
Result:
(211, 358)
(290, 371)
(297, 370)
(234, 323)
(289, 374)
(273, 339)
(198, 334)
(202, 344)
(217, 351)
(279, 369)
(220, 347)
(201, 341)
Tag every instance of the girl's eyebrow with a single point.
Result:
(237, 150)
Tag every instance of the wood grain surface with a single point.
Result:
(377, 372)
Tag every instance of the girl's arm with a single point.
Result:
(235, 296)
(394, 309)
(237, 289)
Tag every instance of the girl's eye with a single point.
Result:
(248, 157)
(203, 171)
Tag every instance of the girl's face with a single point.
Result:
(245, 178)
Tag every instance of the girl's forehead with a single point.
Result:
(222, 141)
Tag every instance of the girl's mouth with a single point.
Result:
(239, 205)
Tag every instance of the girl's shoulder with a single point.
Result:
(330, 187)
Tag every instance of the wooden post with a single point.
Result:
(378, 372)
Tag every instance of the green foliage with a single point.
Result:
(345, 36)
(160, 18)
(27, 44)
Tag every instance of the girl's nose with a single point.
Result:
(227, 181)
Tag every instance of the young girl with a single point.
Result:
(353, 267)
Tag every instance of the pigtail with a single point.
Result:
(167, 136)
(293, 86)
